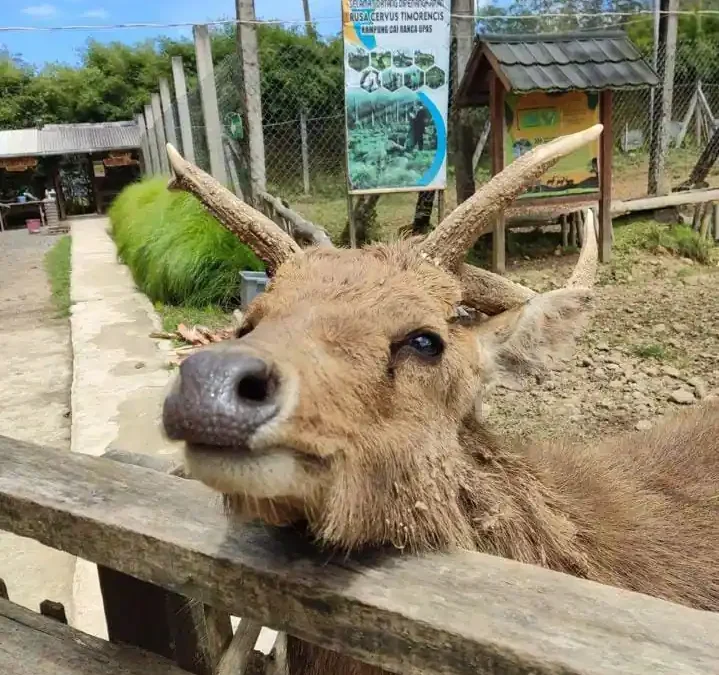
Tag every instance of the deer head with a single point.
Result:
(345, 398)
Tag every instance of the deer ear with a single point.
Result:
(525, 341)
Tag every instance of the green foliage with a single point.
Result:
(177, 252)
(112, 83)
(211, 316)
(649, 235)
(57, 265)
(651, 351)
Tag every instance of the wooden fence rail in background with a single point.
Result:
(451, 614)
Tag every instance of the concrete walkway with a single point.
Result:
(119, 384)
(34, 390)
(119, 375)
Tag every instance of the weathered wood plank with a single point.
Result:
(239, 653)
(136, 612)
(450, 614)
(192, 634)
(31, 644)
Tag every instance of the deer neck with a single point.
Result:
(512, 512)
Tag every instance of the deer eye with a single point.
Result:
(425, 344)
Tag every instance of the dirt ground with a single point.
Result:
(34, 400)
(651, 348)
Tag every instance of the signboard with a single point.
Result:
(119, 159)
(396, 94)
(18, 164)
(536, 118)
(234, 122)
(98, 169)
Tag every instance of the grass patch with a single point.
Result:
(651, 236)
(211, 316)
(57, 265)
(651, 351)
(177, 252)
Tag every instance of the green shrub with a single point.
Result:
(177, 252)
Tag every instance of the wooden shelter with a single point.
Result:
(86, 164)
(539, 87)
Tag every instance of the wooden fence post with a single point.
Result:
(662, 111)
(496, 98)
(305, 152)
(183, 109)
(144, 146)
(248, 50)
(168, 112)
(210, 107)
(152, 139)
(160, 133)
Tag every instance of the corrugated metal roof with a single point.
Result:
(555, 63)
(19, 142)
(67, 139)
(564, 62)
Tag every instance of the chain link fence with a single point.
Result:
(303, 120)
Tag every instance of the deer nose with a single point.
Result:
(221, 398)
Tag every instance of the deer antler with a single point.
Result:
(262, 235)
(585, 270)
(448, 243)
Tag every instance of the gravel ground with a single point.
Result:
(652, 347)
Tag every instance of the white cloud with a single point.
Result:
(40, 11)
(95, 14)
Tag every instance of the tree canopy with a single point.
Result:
(301, 72)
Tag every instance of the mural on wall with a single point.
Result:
(396, 94)
(536, 118)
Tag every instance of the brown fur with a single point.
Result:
(393, 453)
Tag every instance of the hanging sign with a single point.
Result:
(18, 164)
(119, 159)
(98, 169)
(396, 59)
(536, 118)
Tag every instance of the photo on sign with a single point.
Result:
(391, 136)
(396, 96)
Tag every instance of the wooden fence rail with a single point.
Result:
(452, 614)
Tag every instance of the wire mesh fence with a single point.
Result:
(303, 119)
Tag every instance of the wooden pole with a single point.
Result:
(309, 27)
(168, 112)
(305, 152)
(706, 221)
(351, 221)
(605, 176)
(698, 123)
(251, 93)
(463, 133)
(662, 111)
(496, 106)
(144, 146)
(152, 139)
(160, 133)
(210, 107)
(479, 149)
(183, 109)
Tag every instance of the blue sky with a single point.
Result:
(41, 47)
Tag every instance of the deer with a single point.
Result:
(347, 404)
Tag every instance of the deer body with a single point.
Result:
(348, 404)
